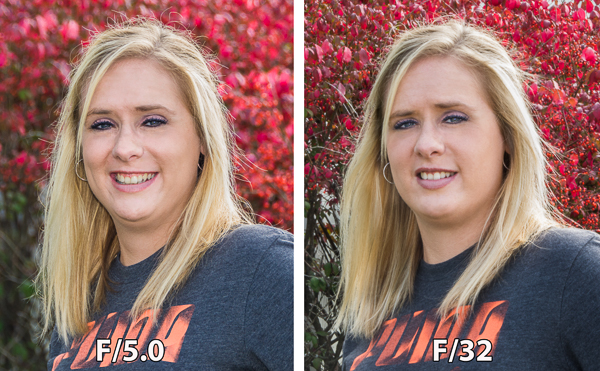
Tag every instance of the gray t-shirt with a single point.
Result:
(234, 313)
(541, 313)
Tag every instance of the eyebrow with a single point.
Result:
(443, 105)
(145, 108)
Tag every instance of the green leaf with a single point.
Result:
(336, 269)
(317, 363)
(27, 288)
(322, 333)
(24, 94)
(315, 284)
(327, 267)
(308, 112)
(19, 351)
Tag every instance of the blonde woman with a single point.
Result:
(148, 260)
(452, 258)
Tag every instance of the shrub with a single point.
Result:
(344, 41)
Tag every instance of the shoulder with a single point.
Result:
(256, 240)
(252, 245)
(257, 234)
(566, 238)
(564, 245)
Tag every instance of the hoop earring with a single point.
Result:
(384, 177)
(85, 180)
(505, 160)
(200, 164)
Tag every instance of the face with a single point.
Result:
(444, 143)
(140, 145)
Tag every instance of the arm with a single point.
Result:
(580, 308)
(269, 322)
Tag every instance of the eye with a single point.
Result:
(102, 125)
(455, 119)
(154, 121)
(405, 124)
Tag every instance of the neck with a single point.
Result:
(138, 243)
(443, 242)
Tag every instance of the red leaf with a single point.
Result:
(574, 159)
(595, 111)
(306, 169)
(589, 6)
(70, 30)
(589, 55)
(558, 97)
(317, 75)
(341, 89)
(594, 76)
(327, 47)
(364, 56)
(42, 26)
(516, 36)
(512, 4)
(547, 35)
(319, 52)
(20, 159)
(347, 55)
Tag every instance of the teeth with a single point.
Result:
(134, 179)
(436, 175)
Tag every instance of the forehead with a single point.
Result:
(439, 78)
(136, 82)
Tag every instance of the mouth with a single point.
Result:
(435, 175)
(133, 178)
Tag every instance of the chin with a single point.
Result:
(131, 215)
(435, 212)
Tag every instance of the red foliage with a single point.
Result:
(252, 40)
(559, 44)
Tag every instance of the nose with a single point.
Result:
(128, 145)
(430, 141)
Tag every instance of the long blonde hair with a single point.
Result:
(80, 240)
(381, 244)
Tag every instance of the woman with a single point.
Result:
(452, 256)
(147, 254)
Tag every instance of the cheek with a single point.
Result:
(400, 153)
(94, 152)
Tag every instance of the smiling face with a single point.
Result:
(140, 145)
(444, 143)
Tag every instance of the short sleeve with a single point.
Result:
(580, 309)
(268, 328)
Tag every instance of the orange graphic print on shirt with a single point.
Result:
(408, 339)
(113, 326)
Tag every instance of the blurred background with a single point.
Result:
(40, 39)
